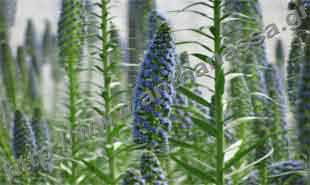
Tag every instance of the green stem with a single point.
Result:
(107, 87)
(219, 118)
(72, 112)
(263, 173)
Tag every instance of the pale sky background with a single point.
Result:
(275, 11)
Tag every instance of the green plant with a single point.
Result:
(278, 113)
(42, 137)
(70, 42)
(293, 71)
(218, 171)
(213, 116)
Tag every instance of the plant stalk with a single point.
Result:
(107, 87)
(219, 117)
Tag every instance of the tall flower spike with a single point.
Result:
(180, 118)
(151, 170)
(249, 59)
(70, 29)
(133, 177)
(240, 104)
(48, 43)
(30, 42)
(278, 112)
(154, 93)
(42, 136)
(24, 144)
(303, 106)
(293, 71)
(154, 21)
(280, 60)
(303, 102)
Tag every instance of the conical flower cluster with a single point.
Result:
(41, 133)
(24, 145)
(277, 112)
(70, 31)
(151, 170)
(303, 104)
(154, 92)
(155, 19)
(293, 71)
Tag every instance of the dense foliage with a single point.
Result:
(134, 110)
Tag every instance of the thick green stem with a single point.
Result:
(219, 118)
(107, 87)
(72, 112)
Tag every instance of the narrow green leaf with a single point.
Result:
(207, 127)
(204, 58)
(196, 4)
(198, 31)
(195, 171)
(243, 168)
(187, 145)
(243, 152)
(231, 151)
(194, 97)
(199, 13)
(195, 42)
(233, 123)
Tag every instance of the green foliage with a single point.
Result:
(231, 129)
(293, 71)
(278, 113)
(240, 103)
(133, 177)
(251, 61)
(70, 42)
(299, 72)
(303, 115)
